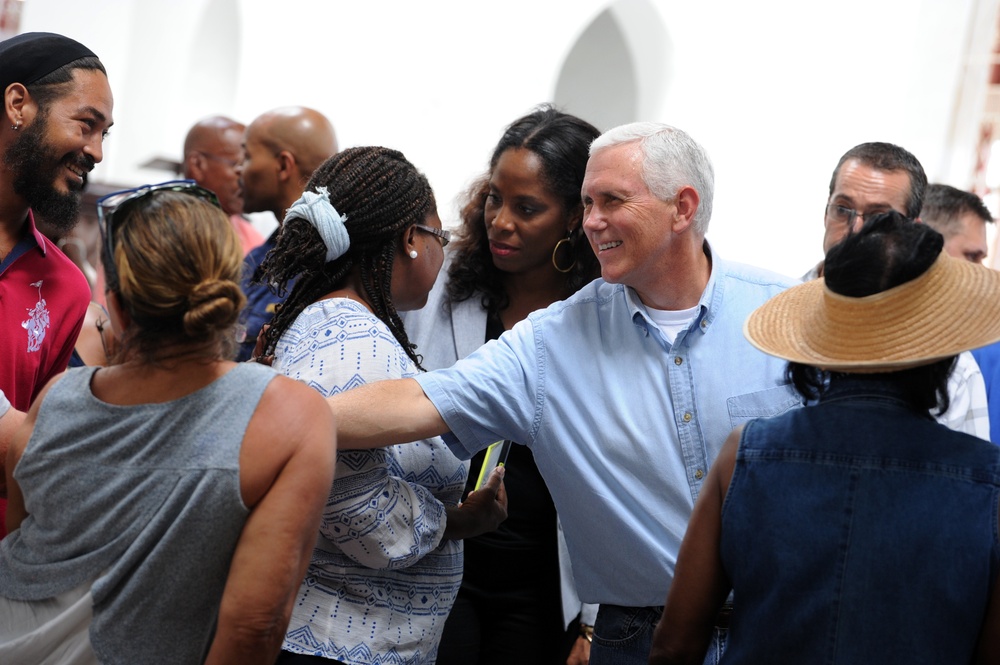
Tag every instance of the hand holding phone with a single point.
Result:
(496, 455)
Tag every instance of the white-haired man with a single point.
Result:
(624, 392)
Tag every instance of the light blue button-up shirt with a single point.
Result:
(623, 425)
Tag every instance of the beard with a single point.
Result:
(36, 165)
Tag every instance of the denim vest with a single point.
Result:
(859, 531)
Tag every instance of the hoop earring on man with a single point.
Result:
(555, 250)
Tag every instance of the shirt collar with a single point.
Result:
(709, 304)
(39, 237)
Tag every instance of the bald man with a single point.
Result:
(281, 149)
(213, 152)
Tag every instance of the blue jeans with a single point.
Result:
(624, 636)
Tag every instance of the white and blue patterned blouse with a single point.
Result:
(381, 581)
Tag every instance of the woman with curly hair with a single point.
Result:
(520, 248)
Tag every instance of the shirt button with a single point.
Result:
(699, 474)
(687, 417)
(704, 323)
(678, 360)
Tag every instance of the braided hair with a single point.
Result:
(380, 194)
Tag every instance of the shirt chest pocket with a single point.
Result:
(762, 404)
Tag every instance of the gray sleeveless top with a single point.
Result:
(143, 499)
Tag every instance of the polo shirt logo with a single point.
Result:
(38, 321)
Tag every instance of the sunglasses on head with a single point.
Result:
(114, 206)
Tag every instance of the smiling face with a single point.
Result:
(627, 226)
(524, 219)
(55, 151)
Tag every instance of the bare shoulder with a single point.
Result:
(292, 425)
(285, 397)
(726, 461)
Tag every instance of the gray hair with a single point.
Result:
(671, 159)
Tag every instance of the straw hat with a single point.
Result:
(953, 307)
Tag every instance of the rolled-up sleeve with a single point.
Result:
(492, 394)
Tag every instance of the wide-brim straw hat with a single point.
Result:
(953, 307)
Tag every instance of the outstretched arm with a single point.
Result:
(384, 413)
(700, 584)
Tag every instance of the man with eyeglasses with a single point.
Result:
(870, 178)
(281, 149)
(57, 111)
(212, 155)
(877, 177)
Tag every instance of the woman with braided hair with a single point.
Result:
(362, 243)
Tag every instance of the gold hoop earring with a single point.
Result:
(555, 250)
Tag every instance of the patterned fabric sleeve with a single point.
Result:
(378, 519)
(376, 514)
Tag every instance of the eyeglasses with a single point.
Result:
(443, 234)
(846, 216)
(116, 203)
(231, 163)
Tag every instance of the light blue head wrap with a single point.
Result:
(315, 208)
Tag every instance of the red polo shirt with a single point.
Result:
(43, 299)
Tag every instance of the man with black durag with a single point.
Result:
(57, 110)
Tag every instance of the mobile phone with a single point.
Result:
(496, 455)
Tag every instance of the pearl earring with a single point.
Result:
(413, 253)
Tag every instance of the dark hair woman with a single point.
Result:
(520, 248)
(363, 243)
(856, 530)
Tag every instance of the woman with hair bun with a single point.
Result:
(164, 507)
(363, 243)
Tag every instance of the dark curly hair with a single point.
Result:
(562, 143)
(888, 251)
(381, 194)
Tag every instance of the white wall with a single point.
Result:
(776, 90)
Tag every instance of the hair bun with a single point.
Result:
(214, 304)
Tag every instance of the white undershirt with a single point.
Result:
(671, 322)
